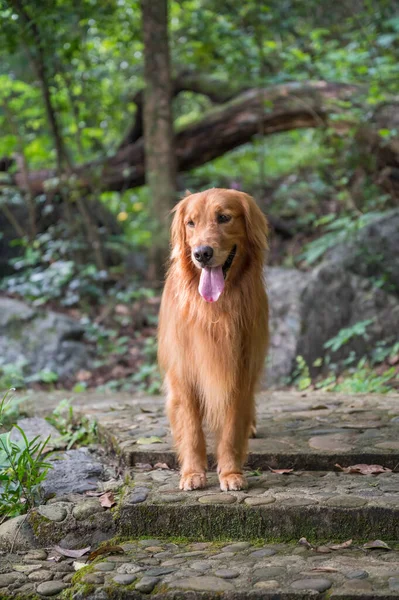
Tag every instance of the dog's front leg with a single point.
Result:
(185, 420)
(232, 447)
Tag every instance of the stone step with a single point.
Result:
(205, 570)
(311, 431)
(285, 507)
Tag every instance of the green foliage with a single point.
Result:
(337, 230)
(75, 430)
(347, 333)
(147, 377)
(301, 376)
(22, 469)
(362, 380)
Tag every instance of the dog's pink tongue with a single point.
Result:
(211, 283)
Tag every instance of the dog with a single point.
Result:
(213, 330)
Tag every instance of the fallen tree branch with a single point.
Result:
(285, 107)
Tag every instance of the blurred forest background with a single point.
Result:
(293, 102)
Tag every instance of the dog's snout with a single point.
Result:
(203, 254)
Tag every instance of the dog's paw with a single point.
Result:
(232, 481)
(192, 481)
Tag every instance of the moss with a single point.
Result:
(37, 522)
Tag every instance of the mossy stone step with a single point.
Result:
(180, 570)
(286, 507)
(311, 431)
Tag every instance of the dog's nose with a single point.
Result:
(203, 254)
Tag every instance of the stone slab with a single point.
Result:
(312, 431)
(288, 571)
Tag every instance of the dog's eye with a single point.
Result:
(190, 224)
(223, 218)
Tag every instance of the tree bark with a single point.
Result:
(160, 168)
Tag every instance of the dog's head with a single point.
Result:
(218, 233)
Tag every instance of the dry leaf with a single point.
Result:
(323, 549)
(72, 553)
(281, 471)
(105, 550)
(325, 570)
(376, 545)
(161, 466)
(342, 546)
(83, 375)
(365, 469)
(149, 440)
(107, 500)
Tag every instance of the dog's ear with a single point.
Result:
(178, 229)
(255, 223)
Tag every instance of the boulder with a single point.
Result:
(373, 252)
(308, 309)
(284, 287)
(334, 299)
(41, 339)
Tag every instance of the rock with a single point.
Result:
(33, 427)
(319, 584)
(18, 533)
(226, 573)
(41, 575)
(358, 574)
(263, 552)
(236, 547)
(75, 471)
(85, 509)
(146, 584)
(7, 579)
(268, 573)
(201, 565)
(41, 340)
(124, 579)
(139, 495)
(51, 588)
(203, 584)
(63, 567)
(351, 299)
(272, 584)
(53, 512)
(284, 287)
(259, 501)
(394, 584)
(105, 567)
(129, 569)
(346, 501)
(157, 571)
(217, 499)
(372, 251)
(301, 325)
(36, 555)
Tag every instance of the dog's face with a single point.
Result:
(216, 230)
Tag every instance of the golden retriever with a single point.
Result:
(213, 330)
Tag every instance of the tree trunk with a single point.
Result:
(160, 171)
